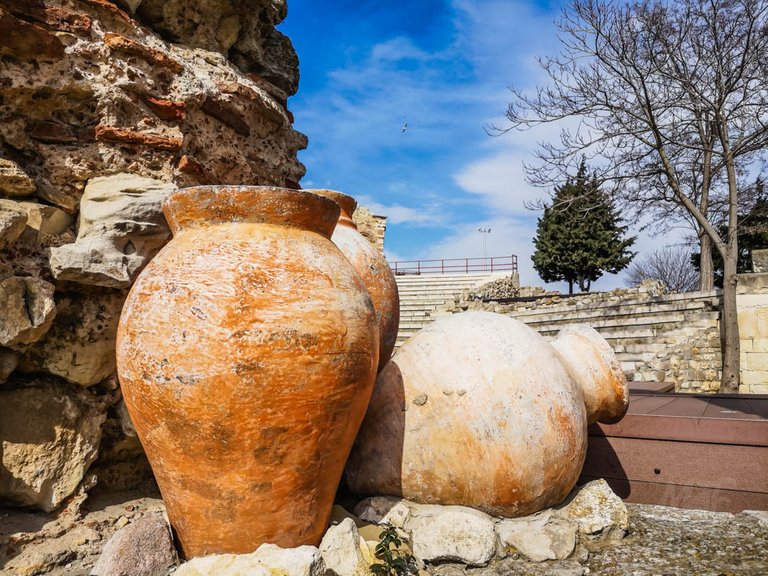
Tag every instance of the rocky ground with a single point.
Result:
(660, 541)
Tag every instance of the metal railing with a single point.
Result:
(455, 265)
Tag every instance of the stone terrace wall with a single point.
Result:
(656, 336)
(106, 107)
(752, 303)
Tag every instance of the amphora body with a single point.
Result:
(479, 410)
(373, 269)
(247, 351)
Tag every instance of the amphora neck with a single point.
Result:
(209, 205)
(348, 205)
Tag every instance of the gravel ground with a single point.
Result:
(662, 541)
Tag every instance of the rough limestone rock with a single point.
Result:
(80, 345)
(243, 29)
(383, 510)
(451, 533)
(268, 560)
(13, 180)
(43, 222)
(121, 227)
(142, 547)
(599, 513)
(13, 220)
(343, 548)
(28, 310)
(540, 537)
(49, 436)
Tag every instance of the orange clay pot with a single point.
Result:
(247, 352)
(373, 269)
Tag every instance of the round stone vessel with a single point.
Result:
(247, 351)
(373, 269)
(477, 409)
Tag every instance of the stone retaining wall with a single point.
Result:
(752, 303)
(656, 336)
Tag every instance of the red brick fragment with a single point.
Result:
(171, 110)
(151, 55)
(126, 136)
(53, 133)
(226, 115)
(111, 8)
(52, 16)
(189, 165)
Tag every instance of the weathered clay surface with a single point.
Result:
(373, 269)
(473, 410)
(50, 435)
(252, 305)
(593, 366)
(121, 226)
(141, 547)
(80, 344)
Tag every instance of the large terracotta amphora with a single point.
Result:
(247, 352)
(373, 269)
(477, 409)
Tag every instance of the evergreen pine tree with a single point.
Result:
(580, 236)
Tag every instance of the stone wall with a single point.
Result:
(106, 107)
(656, 336)
(371, 226)
(752, 304)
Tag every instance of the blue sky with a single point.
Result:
(443, 67)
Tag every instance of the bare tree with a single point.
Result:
(672, 107)
(671, 266)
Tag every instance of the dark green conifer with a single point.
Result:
(580, 236)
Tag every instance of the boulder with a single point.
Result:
(451, 533)
(383, 510)
(268, 560)
(539, 537)
(13, 220)
(142, 547)
(49, 436)
(601, 516)
(121, 227)
(8, 362)
(43, 223)
(28, 310)
(344, 551)
(13, 180)
(80, 346)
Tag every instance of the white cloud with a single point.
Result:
(397, 49)
(425, 215)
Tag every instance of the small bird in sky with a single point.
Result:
(405, 127)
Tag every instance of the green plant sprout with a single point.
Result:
(392, 562)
